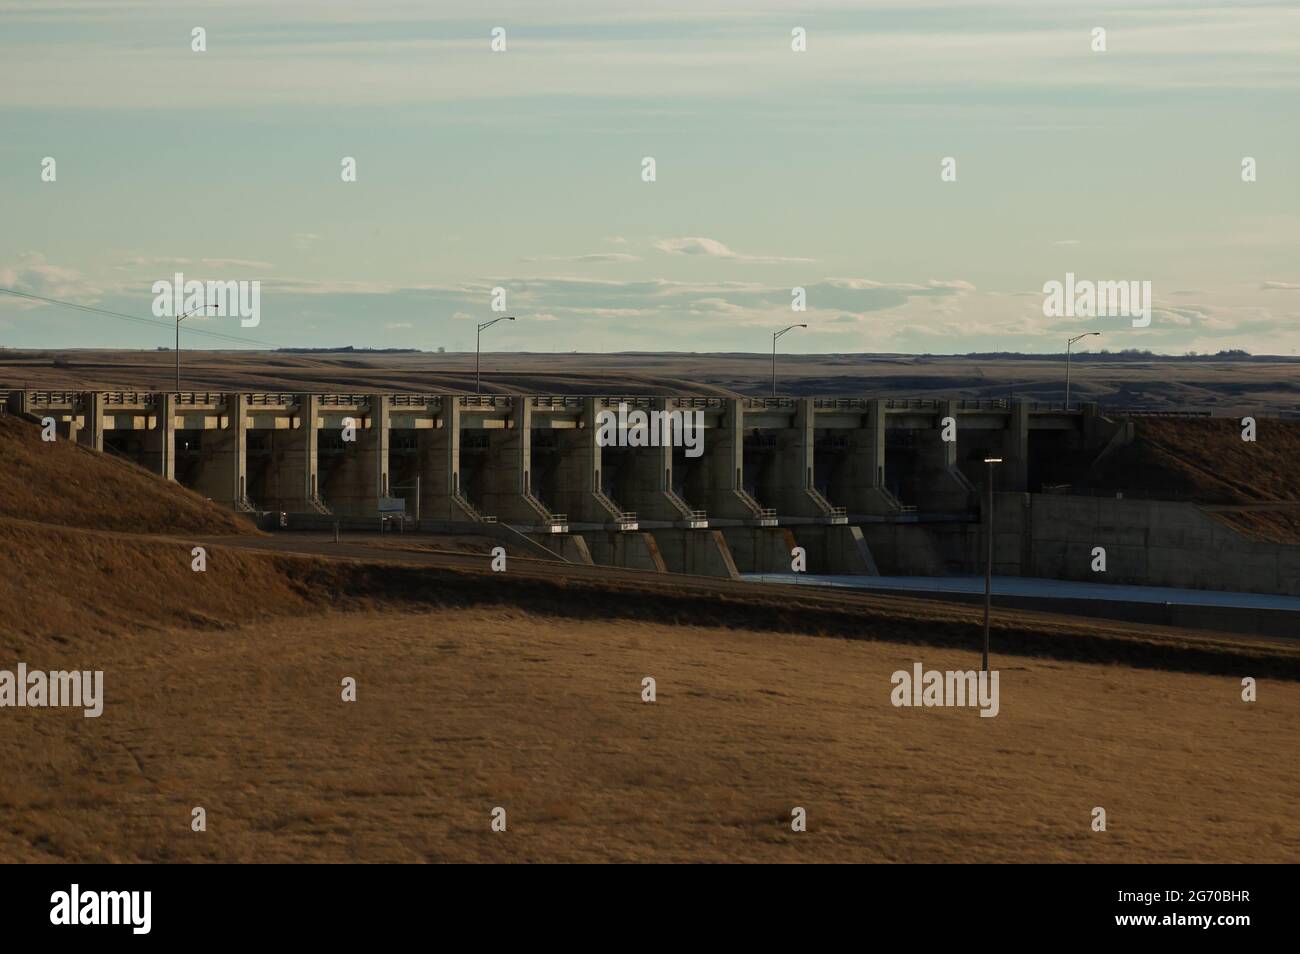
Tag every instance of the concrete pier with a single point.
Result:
(223, 468)
(699, 552)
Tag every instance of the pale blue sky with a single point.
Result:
(775, 169)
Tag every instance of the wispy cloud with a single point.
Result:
(32, 274)
(171, 262)
(594, 258)
(712, 248)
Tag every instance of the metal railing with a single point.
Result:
(751, 503)
(825, 505)
(414, 400)
(471, 511)
(343, 400)
(279, 399)
(842, 403)
(620, 516)
(894, 501)
(51, 397)
(123, 398)
(644, 403)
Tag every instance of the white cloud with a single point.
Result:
(32, 274)
(595, 257)
(172, 262)
(712, 248)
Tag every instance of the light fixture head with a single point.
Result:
(992, 460)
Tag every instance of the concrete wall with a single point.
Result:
(836, 548)
(1147, 543)
(633, 549)
(702, 552)
(760, 549)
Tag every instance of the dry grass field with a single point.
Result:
(523, 690)
(459, 711)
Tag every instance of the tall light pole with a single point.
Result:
(775, 335)
(988, 562)
(1068, 345)
(179, 319)
(478, 338)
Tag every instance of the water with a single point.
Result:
(1040, 588)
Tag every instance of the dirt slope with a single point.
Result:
(1204, 460)
(59, 482)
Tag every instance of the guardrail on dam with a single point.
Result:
(772, 471)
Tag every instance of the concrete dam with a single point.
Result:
(861, 485)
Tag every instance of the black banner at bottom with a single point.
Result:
(139, 904)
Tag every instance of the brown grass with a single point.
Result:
(62, 483)
(1206, 461)
(462, 710)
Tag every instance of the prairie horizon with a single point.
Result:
(1223, 385)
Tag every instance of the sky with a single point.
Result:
(775, 169)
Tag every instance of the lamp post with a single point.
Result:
(1068, 345)
(179, 319)
(988, 562)
(775, 335)
(477, 339)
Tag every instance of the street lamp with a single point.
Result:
(478, 338)
(1068, 345)
(775, 335)
(988, 563)
(179, 319)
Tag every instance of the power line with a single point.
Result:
(190, 330)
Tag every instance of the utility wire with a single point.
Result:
(189, 329)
